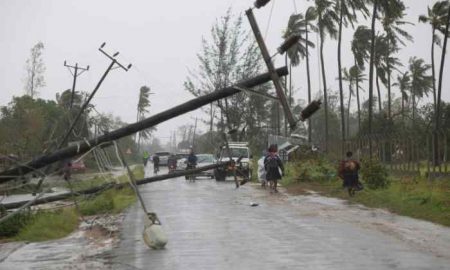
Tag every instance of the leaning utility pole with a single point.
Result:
(84, 146)
(113, 64)
(268, 60)
(75, 74)
(86, 103)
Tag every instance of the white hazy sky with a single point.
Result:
(160, 39)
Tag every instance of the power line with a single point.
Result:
(270, 19)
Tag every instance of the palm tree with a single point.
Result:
(142, 109)
(353, 76)
(327, 18)
(441, 71)
(404, 85)
(300, 24)
(436, 18)
(378, 6)
(421, 83)
(347, 15)
(392, 23)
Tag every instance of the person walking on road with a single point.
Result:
(348, 172)
(274, 168)
(191, 164)
(262, 171)
(155, 164)
(145, 157)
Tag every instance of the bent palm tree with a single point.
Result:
(300, 25)
(347, 15)
(404, 85)
(142, 109)
(436, 18)
(392, 23)
(327, 18)
(421, 83)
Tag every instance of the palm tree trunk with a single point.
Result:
(441, 73)
(341, 94)
(372, 52)
(413, 107)
(325, 96)
(309, 81)
(432, 68)
(403, 109)
(389, 82)
(348, 109)
(379, 92)
(357, 100)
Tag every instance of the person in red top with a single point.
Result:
(348, 171)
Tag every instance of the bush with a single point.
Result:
(12, 226)
(374, 174)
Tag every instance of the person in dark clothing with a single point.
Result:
(191, 164)
(274, 168)
(348, 172)
(155, 164)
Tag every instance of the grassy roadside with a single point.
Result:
(408, 196)
(53, 224)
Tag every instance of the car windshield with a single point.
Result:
(162, 154)
(205, 158)
(235, 152)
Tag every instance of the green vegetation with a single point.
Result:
(409, 196)
(49, 225)
(52, 224)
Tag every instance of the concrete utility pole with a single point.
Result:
(268, 60)
(75, 74)
(74, 150)
(193, 135)
(114, 64)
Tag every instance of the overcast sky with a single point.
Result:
(161, 40)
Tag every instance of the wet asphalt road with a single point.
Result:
(211, 225)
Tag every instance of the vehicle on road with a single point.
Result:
(78, 166)
(163, 157)
(205, 160)
(241, 161)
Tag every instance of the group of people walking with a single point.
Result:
(271, 170)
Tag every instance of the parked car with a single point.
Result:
(163, 157)
(78, 167)
(205, 160)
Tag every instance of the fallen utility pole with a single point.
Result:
(273, 74)
(82, 147)
(103, 187)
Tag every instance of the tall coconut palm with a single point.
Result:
(142, 109)
(353, 76)
(379, 6)
(404, 85)
(347, 15)
(392, 24)
(441, 70)
(300, 24)
(421, 83)
(436, 18)
(326, 20)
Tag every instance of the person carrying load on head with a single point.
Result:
(348, 172)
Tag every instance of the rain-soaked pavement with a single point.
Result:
(211, 225)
